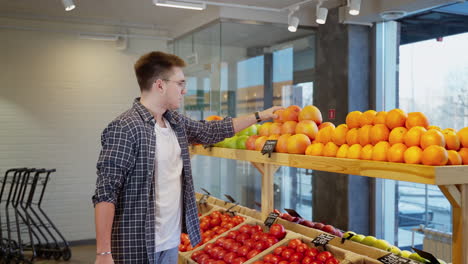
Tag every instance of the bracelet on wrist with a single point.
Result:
(103, 253)
(257, 116)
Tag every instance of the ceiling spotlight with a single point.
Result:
(322, 13)
(180, 4)
(293, 22)
(354, 7)
(68, 4)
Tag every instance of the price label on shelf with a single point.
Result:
(322, 240)
(394, 259)
(271, 219)
(269, 147)
(292, 212)
(426, 255)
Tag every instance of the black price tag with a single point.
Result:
(293, 212)
(322, 240)
(271, 219)
(269, 147)
(207, 192)
(229, 197)
(426, 255)
(394, 259)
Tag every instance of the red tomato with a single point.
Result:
(287, 253)
(204, 225)
(245, 229)
(275, 259)
(283, 262)
(215, 229)
(259, 262)
(256, 229)
(209, 246)
(243, 251)
(189, 247)
(242, 237)
(220, 262)
(250, 243)
(312, 252)
(200, 258)
(206, 239)
(271, 241)
(221, 254)
(209, 233)
(229, 257)
(184, 238)
(278, 250)
(332, 261)
(235, 247)
(220, 241)
(277, 231)
(257, 236)
(182, 248)
(295, 262)
(196, 254)
(215, 221)
(268, 257)
(259, 245)
(294, 243)
(316, 262)
(252, 253)
(221, 230)
(264, 237)
(296, 257)
(307, 260)
(215, 251)
(239, 260)
(324, 255)
(232, 234)
(229, 225)
(302, 248)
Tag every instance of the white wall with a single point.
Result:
(57, 94)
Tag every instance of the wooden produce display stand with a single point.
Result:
(452, 181)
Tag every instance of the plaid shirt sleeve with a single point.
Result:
(208, 132)
(115, 160)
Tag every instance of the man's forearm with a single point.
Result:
(104, 217)
(242, 122)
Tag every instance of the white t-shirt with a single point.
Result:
(168, 188)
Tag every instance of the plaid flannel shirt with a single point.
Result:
(125, 172)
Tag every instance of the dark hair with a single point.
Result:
(155, 65)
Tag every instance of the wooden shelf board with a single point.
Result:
(436, 175)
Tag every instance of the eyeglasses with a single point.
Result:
(182, 84)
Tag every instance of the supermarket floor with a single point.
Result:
(80, 255)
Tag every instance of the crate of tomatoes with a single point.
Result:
(240, 245)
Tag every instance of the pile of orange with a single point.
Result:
(393, 136)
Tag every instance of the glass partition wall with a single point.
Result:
(236, 69)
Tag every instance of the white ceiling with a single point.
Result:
(140, 13)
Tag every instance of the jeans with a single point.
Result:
(169, 256)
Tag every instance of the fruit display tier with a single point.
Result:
(452, 181)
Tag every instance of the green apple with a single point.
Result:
(415, 256)
(348, 234)
(382, 244)
(395, 250)
(358, 238)
(250, 131)
(240, 142)
(231, 142)
(405, 253)
(369, 240)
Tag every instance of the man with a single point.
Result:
(144, 194)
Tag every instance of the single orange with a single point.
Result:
(297, 144)
(397, 135)
(282, 144)
(432, 137)
(352, 137)
(364, 135)
(330, 149)
(452, 142)
(366, 152)
(354, 152)
(342, 151)
(275, 129)
(352, 119)
(413, 155)
(454, 158)
(434, 155)
(315, 149)
(396, 152)
(380, 118)
(416, 119)
(395, 118)
(463, 135)
(379, 133)
(308, 128)
(464, 155)
(288, 127)
(367, 118)
(339, 134)
(434, 127)
(413, 136)
(380, 151)
(324, 135)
